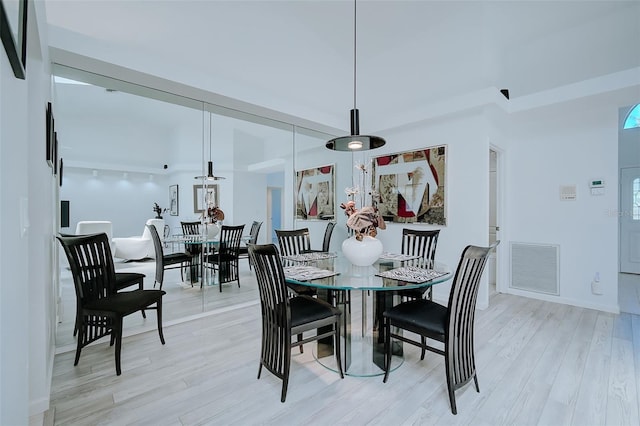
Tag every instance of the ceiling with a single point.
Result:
(412, 56)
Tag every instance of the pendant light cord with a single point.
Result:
(354, 52)
(210, 134)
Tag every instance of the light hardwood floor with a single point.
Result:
(539, 363)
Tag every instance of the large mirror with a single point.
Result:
(128, 148)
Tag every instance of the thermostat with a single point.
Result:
(597, 186)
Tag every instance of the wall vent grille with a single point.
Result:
(535, 267)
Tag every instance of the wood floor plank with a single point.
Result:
(591, 401)
(533, 395)
(622, 398)
(563, 393)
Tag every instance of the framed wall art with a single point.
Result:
(412, 185)
(203, 195)
(49, 135)
(173, 200)
(13, 31)
(315, 193)
(54, 154)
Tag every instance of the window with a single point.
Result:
(633, 120)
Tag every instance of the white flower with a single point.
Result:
(351, 191)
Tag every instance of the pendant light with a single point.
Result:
(355, 141)
(210, 175)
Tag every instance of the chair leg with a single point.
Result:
(285, 375)
(450, 389)
(337, 348)
(300, 338)
(260, 370)
(423, 343)
(475, 379)
(79, 346)
(452, 399)
(141, 287)
(159, 315)
(387, 349)
(117, 330)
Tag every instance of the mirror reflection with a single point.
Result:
(135, 156)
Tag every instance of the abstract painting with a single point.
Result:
(315, 194)
(412, 185)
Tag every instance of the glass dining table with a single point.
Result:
(362, 293)
(200, 246)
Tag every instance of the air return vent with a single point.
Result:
(535, 267)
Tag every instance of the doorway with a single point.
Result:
(629, 210)
(630, 220)
(494, 229)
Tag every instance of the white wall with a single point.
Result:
(26, 292)
(126, 202)
(14, 272)
(568, 143)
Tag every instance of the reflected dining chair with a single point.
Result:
(422, 243)
(167, 261)
(192, 228)
(284, 317)
(225, 259)
(123, 280)
(451, 324)
(101, 309)
(243, 252)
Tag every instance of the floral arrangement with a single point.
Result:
(213, 214)
(367, 219)
(158, 210)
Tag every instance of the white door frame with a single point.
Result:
(501, 280)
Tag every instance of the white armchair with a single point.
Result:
(85, 227)
(136, 248)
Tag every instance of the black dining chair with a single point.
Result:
(284, 317)
(326, 241)
(101, 308)
(422, 243)
(293, 241)
(225, 259)
(167, 261)
(243, 251)
(451, 324)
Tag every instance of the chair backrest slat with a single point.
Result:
(420, 243)
(293, 242)
(190, 228)
(255, 230)
(326, 242)
(157, 244)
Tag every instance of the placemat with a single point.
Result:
(306, 257)
(306, 273)
(411, 274)
(398, 256)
